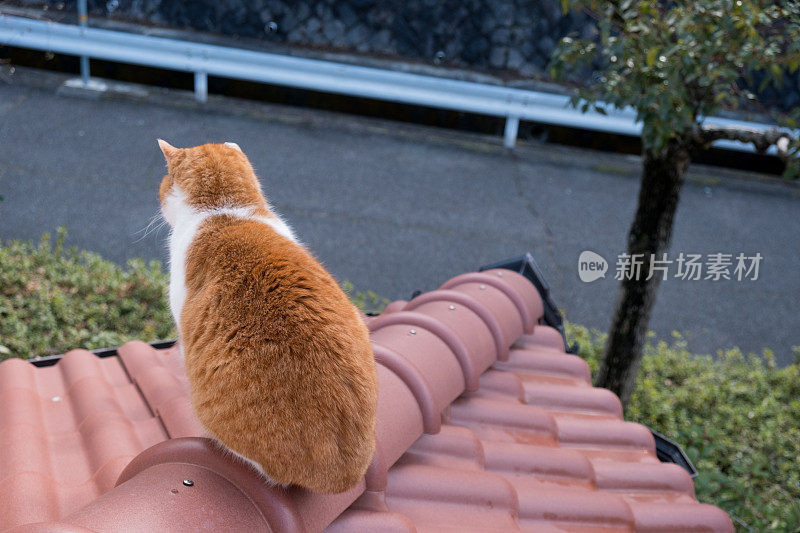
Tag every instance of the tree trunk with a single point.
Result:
(662, 177)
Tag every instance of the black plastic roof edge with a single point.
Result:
(50, 360)
(668, 451)
(526, 265)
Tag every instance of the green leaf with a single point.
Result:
(777, 72)
(651, 56)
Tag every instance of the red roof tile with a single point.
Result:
(484, 424)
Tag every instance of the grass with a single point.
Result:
(737, 416)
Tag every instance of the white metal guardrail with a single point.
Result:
(204, 60)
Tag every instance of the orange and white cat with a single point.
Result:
(279, 361)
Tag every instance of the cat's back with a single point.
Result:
(256, 273)
(278, 357)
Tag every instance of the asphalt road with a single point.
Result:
(396, 207)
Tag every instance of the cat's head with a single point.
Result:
(209, 176)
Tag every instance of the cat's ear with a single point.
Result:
(169, 151)
(234, 146)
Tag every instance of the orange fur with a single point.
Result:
(279, 361)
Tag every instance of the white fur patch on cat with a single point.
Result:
(185, 220)
(275, 222)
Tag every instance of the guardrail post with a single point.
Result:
(201, 87)
(83, 18)
(512, 127)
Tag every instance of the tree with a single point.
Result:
(675, 63)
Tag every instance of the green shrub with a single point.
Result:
(736, 416)
(368, 301)
(53, 300)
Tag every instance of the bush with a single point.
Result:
(369, 302)
(53, 300)
(736, 416)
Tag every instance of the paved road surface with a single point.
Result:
(395, 207)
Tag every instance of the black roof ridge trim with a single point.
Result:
(50, 360)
